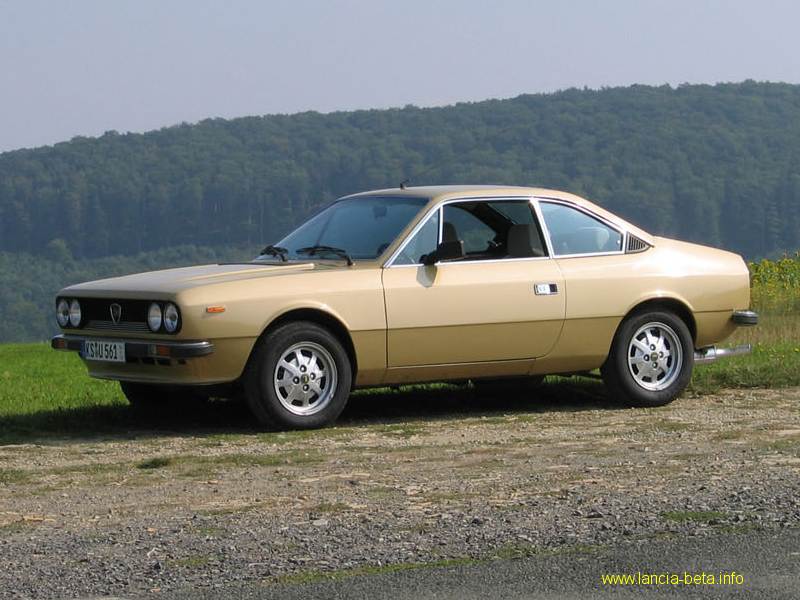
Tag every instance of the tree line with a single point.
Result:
(714, 164)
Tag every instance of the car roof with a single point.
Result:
(439, 193)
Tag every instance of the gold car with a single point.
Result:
(398, 286)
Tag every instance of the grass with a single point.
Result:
(8, 476)
(316, 576)
(155, 463)
(195, 466)
(190, 562)
(775, 360)
(507, 552)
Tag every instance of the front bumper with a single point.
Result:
(138, 349)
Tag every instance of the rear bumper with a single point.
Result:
(745, 317)
(141, 349)
(711, 354)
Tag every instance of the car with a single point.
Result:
(498, 285)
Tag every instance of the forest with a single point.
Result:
(712, 164)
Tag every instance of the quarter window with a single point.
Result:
(424, 241)
(574, 232)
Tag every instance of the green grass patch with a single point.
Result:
(510, 551)
(190, 562)
(11, 476)
(773, 365)
(195, 466)
(316, 576)
(330, 507)
(158, 462)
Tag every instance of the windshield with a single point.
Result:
(361, 227)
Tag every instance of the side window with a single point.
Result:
(574, 232)
(461, 224)
(492, 230)
(424, 241)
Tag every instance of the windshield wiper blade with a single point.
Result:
(276, 251)
(312, 250)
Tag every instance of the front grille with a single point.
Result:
(97, 314)
(121, 326)
(636, 245)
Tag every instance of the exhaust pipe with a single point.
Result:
(711, 354)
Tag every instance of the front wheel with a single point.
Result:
(651, 359)
(298, 377)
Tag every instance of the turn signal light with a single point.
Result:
(215, 309)
(158, 350)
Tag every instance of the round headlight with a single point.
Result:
(62, 313)
(74, 313)
(171, 318)
(154, 317)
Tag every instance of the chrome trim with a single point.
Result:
(129, 326)
(475, 262)
(545, 232)
(138, 347)
(710, 354)
(545, 289)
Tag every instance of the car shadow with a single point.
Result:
(365, 408)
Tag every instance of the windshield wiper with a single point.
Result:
(276, 251)
(312, 250)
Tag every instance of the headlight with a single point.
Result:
(154, 317)
(62, 313)
(171, 318)
(75, 313)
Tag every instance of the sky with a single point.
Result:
(88, 66)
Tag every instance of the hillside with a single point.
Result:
(714, 164)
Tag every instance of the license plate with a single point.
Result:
(104, 351)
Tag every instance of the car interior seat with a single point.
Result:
(449, 233)
(524, 241)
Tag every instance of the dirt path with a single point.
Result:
(407, 478)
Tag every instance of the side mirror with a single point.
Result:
(445, 251)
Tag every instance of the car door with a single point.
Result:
(598, 274)
(503, 300)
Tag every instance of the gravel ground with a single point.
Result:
(407, 478)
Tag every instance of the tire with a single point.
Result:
(148, 397)
(508, 385)
(298, 377)
(630, 378)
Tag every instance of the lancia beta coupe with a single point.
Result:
(397, 286)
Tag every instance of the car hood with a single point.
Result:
(172, 281)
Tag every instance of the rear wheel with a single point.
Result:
(651, 359)
(299, 377)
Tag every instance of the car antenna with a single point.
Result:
(403, 183)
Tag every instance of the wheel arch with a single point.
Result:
(323, 318)
(674, 305)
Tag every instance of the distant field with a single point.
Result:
(48, 393)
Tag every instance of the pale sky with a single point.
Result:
(87, 66)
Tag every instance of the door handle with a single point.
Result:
(545, 289)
